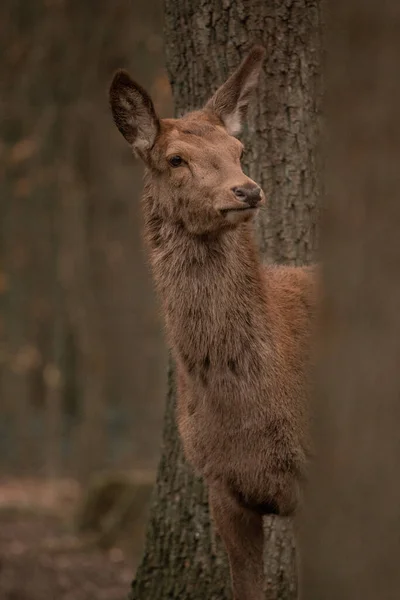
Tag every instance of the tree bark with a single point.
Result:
(205, 41)
(351, 531)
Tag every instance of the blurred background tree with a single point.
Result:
(204, 42)
(351, 531)
(81, 355)
(82, 358)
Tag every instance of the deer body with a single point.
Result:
(239, 331)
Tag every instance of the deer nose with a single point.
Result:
(251, 194)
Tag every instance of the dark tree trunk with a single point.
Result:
(204, 42)
(351, 539)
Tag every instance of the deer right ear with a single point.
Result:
(229, 102)
(133, 112)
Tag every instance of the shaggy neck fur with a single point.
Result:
(213, 294)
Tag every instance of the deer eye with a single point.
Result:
(176, 161)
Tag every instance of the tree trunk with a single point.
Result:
(351, 533)
(204, 43)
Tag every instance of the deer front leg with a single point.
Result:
(241, 530)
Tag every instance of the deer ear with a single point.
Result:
(133, 112)
(230, 101)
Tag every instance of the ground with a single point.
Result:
(42, 558)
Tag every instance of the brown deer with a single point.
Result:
(238, 331)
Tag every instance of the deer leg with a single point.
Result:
(241, 530)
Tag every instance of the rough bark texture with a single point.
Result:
(204, 42)
(351, 539)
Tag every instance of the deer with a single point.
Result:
(238, 329)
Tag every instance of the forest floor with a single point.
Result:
(41, 556)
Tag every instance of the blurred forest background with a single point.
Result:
(82, 359)
(83, 364)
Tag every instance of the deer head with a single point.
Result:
(193, 163)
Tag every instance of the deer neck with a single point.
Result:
(212, 291)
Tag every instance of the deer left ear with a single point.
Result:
(230, 101)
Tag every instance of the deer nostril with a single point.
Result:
(251, 194)
(239, 192)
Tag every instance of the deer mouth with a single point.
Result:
(233, 209)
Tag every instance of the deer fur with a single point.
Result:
(239, 331)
